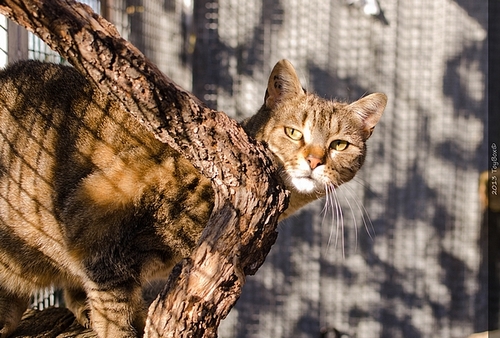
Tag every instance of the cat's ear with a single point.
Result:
(370, 109)
(283, 84)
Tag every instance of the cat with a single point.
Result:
(92, 202)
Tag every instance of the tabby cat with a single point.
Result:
(91, 202)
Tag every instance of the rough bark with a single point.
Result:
(51, 322)
(248, 194)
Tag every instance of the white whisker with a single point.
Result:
(366, 219)
(327, 198)
(332, 203)
(325, 210)
(333, 207)
(329, 204)
(355, 224)
(361, 207)
(341, 219)
(326, 207)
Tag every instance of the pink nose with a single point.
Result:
(314, 162)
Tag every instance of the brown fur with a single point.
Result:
(321, 122)
(92, 202)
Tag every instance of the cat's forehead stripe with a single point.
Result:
(307, 130)
(316, 125)
(322, 123)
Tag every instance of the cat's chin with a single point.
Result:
(304, 185)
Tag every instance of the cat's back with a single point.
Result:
(44, 97)
(56, 130)
(52, 120)
(34, 81)
(37, 97)
(38, 104)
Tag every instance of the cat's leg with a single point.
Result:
(12, 308)
(76, 300)
(117, 312)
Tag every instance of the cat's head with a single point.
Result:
(319, 143)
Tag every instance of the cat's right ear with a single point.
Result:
(369, 109)
(283, 84)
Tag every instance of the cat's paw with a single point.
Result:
(76, 302)
(11, 310)
(6, 328)
(82, 316)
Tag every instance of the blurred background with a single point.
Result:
(407, 253)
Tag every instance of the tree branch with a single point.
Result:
(248, 193)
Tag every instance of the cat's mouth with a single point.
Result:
(306, 181)
(305, 184)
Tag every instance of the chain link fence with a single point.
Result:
(406, 262)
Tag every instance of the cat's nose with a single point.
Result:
(314, 161)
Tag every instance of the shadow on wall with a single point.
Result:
(409, 200)
(211, 70)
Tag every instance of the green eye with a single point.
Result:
(339, 145)
(294, 134)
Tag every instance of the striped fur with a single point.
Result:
(92, 202)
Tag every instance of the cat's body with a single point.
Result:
(90, 201)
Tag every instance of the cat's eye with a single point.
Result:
(292, 133)
(339, 145)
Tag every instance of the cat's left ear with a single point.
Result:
(283, 84)
(370, 109)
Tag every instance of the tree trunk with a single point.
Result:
(53, 323)
(248, 192)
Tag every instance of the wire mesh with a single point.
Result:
(160, 29)
(418, 274)
(405, 259)
(3, 41)
(38, 50)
